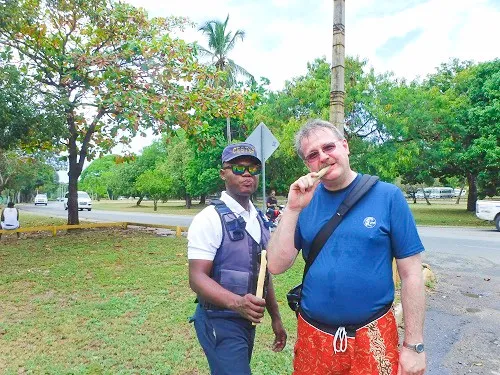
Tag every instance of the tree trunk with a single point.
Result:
(76, 158)
(203, 199)
(337, 89)
(414, 192)
(155, 204)
(139, 201)
(73, 191)
(426, 199)
(472, 196)
(188, 201)
(3, 182)
(460, 194)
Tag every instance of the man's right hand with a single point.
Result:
(302, 191)
(250, 307)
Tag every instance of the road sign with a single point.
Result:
(265, 144)
(264, 141)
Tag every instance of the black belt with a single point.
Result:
(349, 328)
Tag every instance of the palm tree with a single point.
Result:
(220, 42)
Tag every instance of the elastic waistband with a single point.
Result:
(350, 328)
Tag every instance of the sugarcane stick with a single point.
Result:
(322, 172)
(262, 275)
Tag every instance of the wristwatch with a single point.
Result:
(419, 347)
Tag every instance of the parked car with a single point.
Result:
(84, 201)
(489, 210)
(41, 199)
(456, 192)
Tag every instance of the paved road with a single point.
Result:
(462, 249)
(462, 328)
(57, 209)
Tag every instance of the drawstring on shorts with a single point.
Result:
(340, 339)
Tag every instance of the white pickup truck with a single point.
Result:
(489, 210)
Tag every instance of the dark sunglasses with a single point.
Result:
(239, 169)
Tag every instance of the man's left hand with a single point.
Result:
(411, 362)
(279, 335)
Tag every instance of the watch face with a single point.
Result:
(419, 348)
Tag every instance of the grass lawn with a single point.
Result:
(110, 302)
(32, 220)
(170, 207)
(446, 213)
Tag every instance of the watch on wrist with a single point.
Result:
(419, 347)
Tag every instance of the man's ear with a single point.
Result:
(346, 146)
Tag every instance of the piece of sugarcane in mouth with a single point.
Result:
(322, 172)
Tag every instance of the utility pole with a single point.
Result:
(337, 87)
(228, 130)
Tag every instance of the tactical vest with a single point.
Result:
(237, 261)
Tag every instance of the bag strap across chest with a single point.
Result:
(364, 184)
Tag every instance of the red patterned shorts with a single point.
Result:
(373, 350)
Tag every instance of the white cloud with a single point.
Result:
(282, 36)
(450, 29)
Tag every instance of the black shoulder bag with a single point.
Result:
(362, 186)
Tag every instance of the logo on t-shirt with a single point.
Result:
(369, 222)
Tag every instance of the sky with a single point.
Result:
(407, 37)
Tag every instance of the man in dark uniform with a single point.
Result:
(225, 241)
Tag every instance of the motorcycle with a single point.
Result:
(273, 215)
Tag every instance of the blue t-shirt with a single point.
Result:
(351, 279)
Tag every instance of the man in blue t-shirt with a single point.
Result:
(345, 323)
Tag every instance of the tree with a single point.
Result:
(111, 71)
(128, 170)
(220, 43)
(23, 175)
(10, 165)
(469, 143)
(24, 120)
(175, 167)
(97, 178)
(202, 170)
(308, 96)
(154, 183)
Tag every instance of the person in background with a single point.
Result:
(272, 206)
(224, 245)
(346, 324)
(10, 218)
(271, 201)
